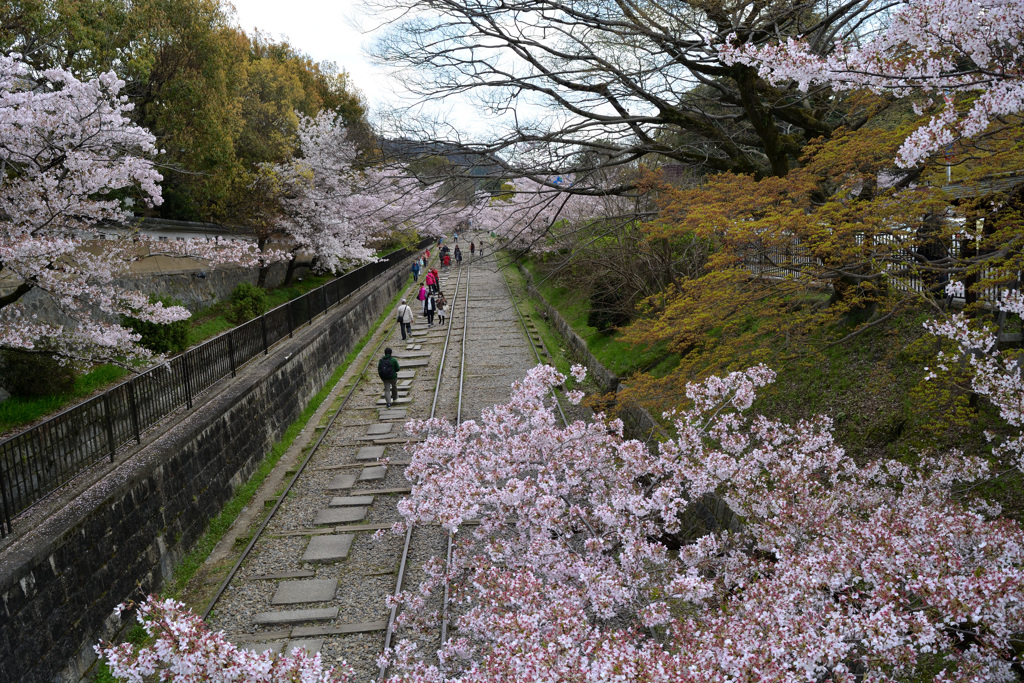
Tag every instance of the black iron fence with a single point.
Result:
(37, 461)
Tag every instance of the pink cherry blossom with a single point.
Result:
(941, 47)
(744, 548)
(184, 650)
(69, 153)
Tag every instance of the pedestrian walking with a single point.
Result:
(458, 256)
(387, 370)
(446, 261)
(472, 248)
(422, 296)
(431, 280)
(437, 280)
(416, 271)
(404, 316)
(456, 237)
(430, 307)
(442, 303)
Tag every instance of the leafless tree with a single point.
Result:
(587, 84)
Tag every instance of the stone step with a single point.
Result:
(393, 414)
(342, 481)
(339, 515)
(401, 400)
(414, 363)
(379, 428)
(274, 647)
(307, 590)
(329, 548)
(372, 474)
(296, 616)
(370, 453)
(406, 374)
(344, 501)
(311, 645)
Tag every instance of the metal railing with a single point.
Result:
(40, 460)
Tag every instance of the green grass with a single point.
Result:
(16, 412)
(621, 358)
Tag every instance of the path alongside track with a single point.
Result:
(315, 578)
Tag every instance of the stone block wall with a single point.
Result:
(606, 379)
(122, 537)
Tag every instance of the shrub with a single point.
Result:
(606, 307)
(161, 338)
(32, 374)
(247, 302)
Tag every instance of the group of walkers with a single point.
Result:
(433, 302)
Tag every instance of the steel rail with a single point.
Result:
(390, 632)
(526, 331)
(280, 499)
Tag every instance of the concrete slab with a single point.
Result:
(342, 481)
(419, 333)
(372, 474)
(406, 374)
(393, 414)
(404, 384)
(379, 429)
(397, 402)
(370, 453)
(275, 647)
(411, 354)
(415, 363)
(330, 548)
(339, 515)
(308, 590)
(342, 501)
(296, 616)
(338, 630)
(310, 645)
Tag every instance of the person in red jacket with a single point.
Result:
(437, 281)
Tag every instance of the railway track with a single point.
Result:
(312, 576)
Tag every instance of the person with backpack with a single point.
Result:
(416, 271)
(387, 370)
(404, 316)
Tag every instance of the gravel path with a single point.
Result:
(497, 353)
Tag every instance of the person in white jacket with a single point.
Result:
(404, 315)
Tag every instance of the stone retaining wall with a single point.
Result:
(122, 536)
(606, 379)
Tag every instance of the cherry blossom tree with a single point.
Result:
(70, 160)
(742, 549)
(333, 208)
(939, 47)
(185, 650)
(525, 215)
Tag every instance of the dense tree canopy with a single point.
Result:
(218, 101)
